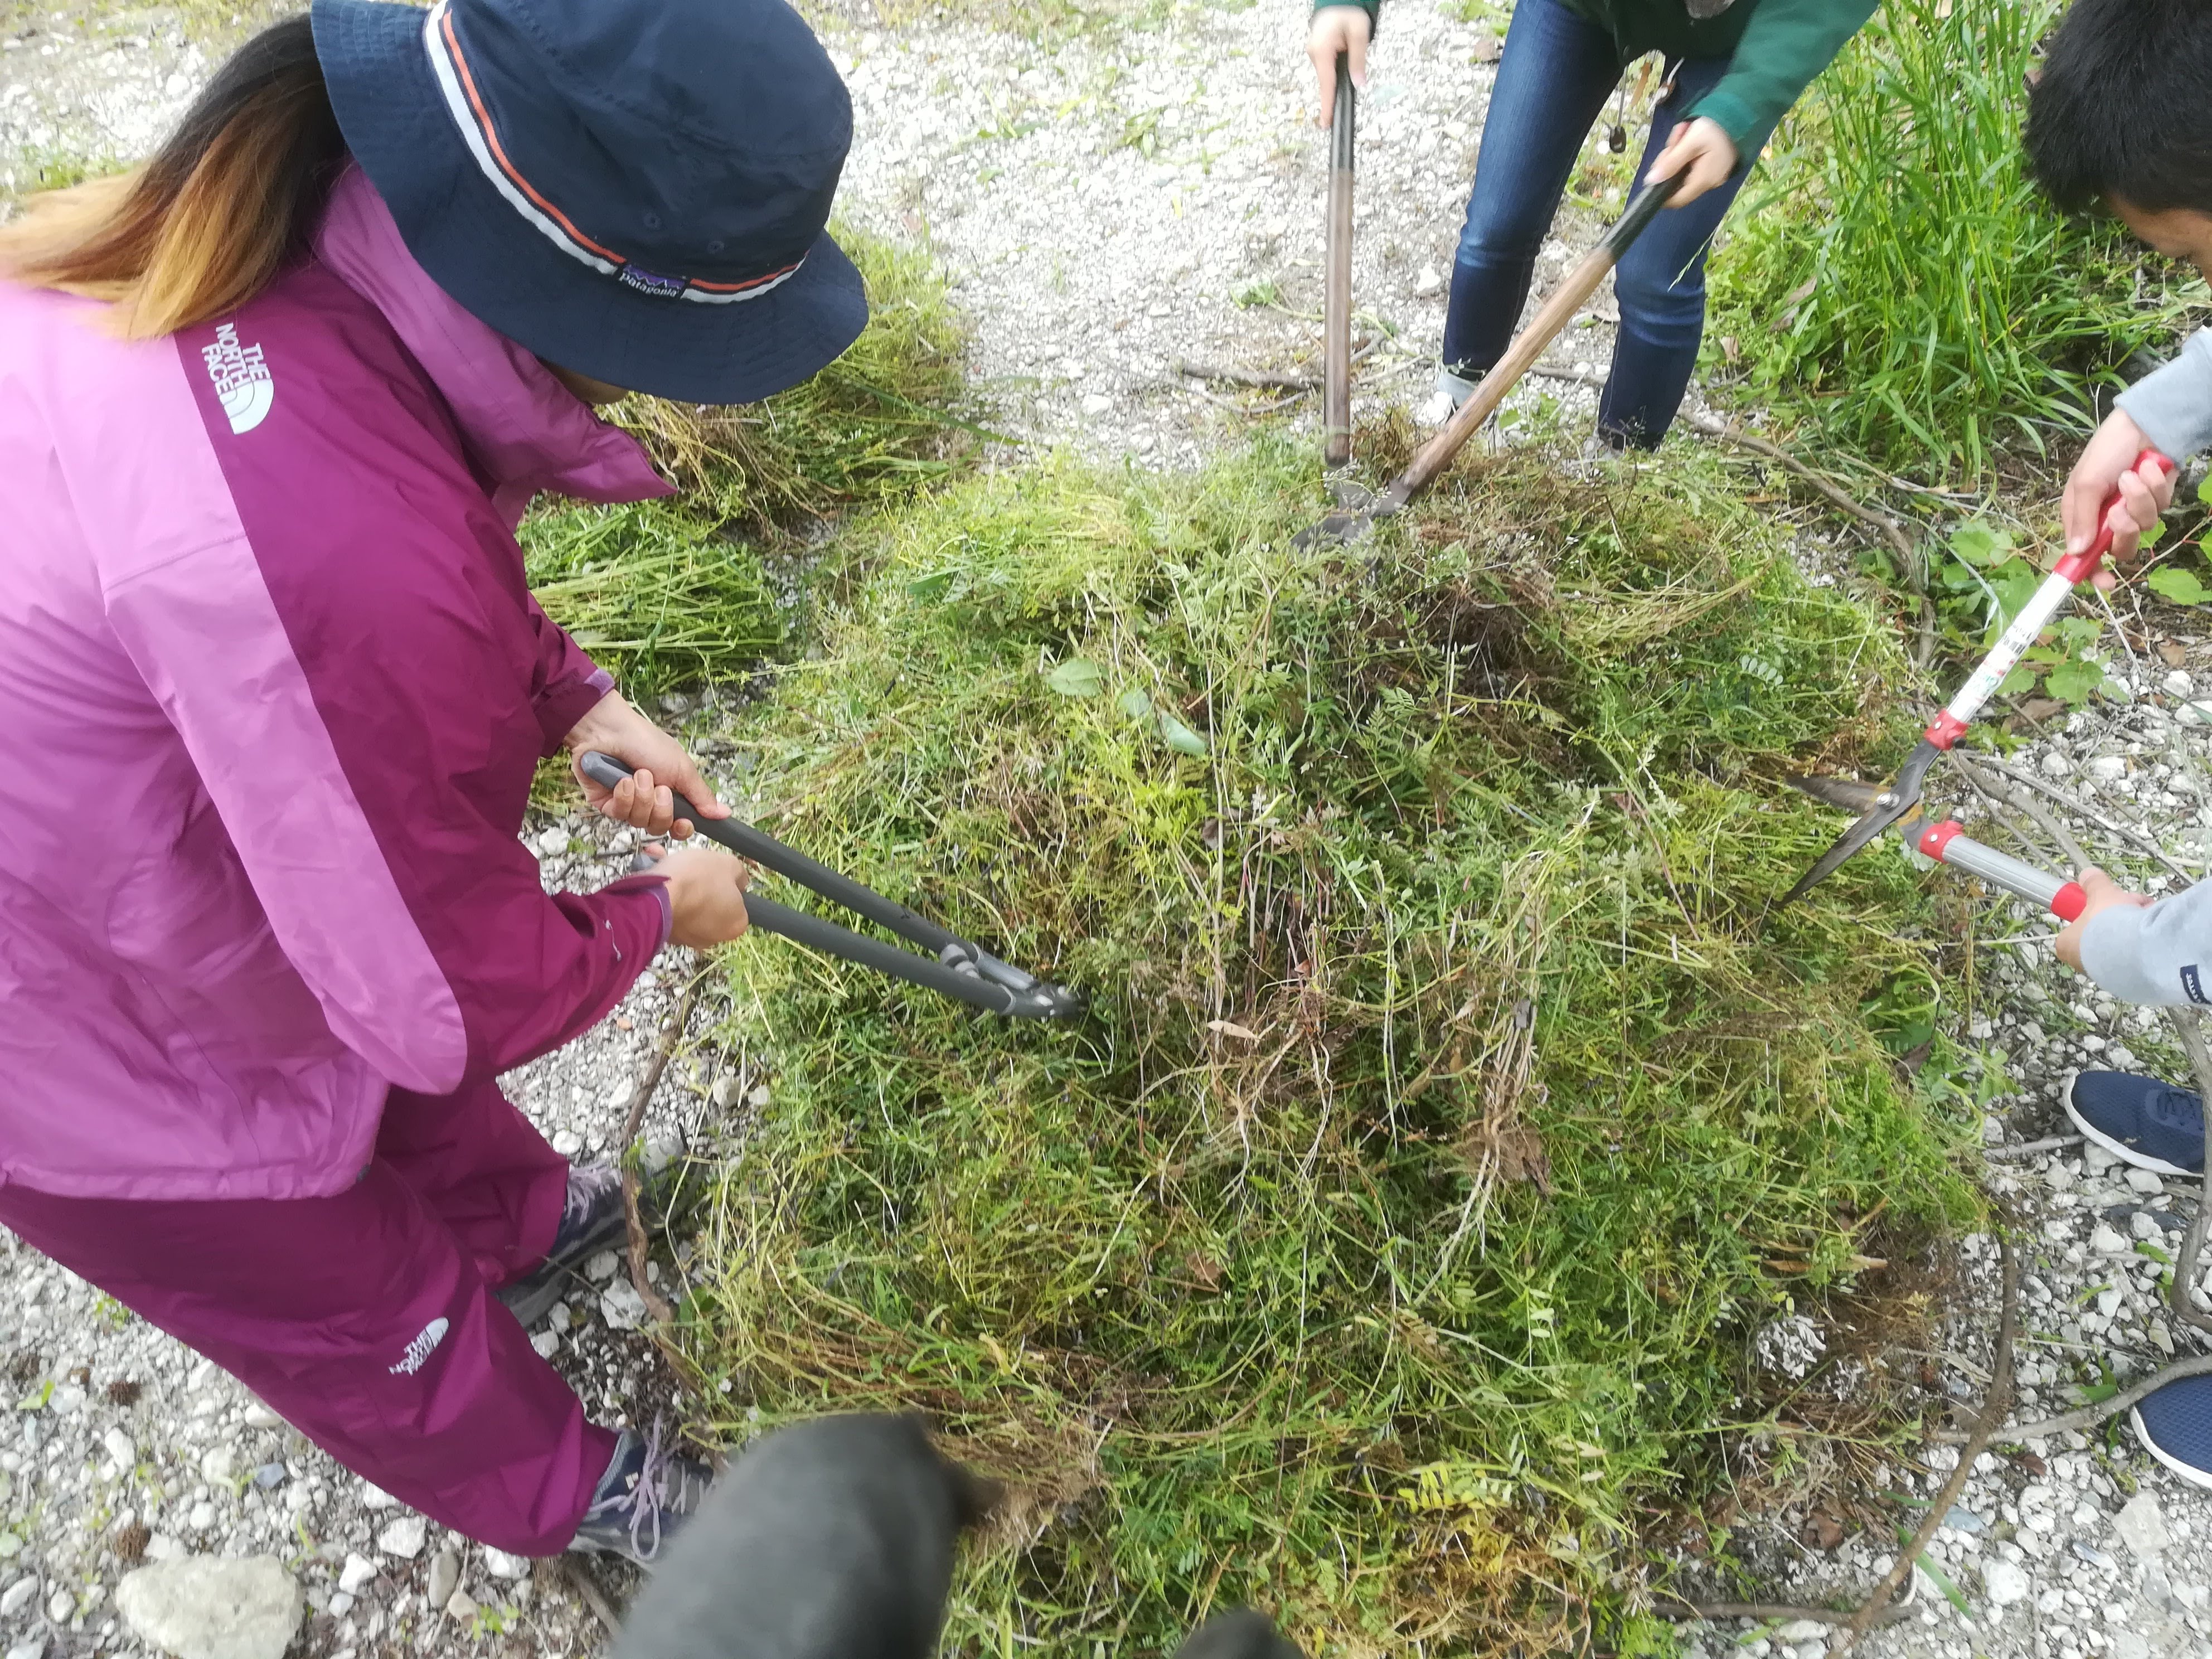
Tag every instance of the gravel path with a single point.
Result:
(1108, 202)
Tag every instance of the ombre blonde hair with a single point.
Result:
(201, 228)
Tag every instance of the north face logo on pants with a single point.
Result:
(419, 1349)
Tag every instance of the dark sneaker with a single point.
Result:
(593, 1219)
(2141, 1120)
(2175, 1425)
(642, 1500)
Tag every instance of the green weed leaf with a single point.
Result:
(1136, 705)
(2178, 587)
(2075, 681)
(931, 588)
(1077, 678)
(1978, 543)
(2153, 536)
(1179, 737)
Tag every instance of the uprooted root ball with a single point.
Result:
(1385, 1246)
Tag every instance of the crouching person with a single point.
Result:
(271, 409)
(2117, 122)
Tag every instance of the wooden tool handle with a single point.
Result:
(1574, 289)
(1336, 326)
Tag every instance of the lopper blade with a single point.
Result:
(1878, 811)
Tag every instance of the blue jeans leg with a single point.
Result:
(1660, 285)
(1553, 76)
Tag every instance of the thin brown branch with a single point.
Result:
(2088, 1417)
(580, 1577)
(2191, 1037)
(1910, 562)
(2051, 825)
(2071, 804)
(2030, 1148)
(1994, 1407)
(672, 1038)
(1686, 1609)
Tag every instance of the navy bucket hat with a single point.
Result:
(635, 190)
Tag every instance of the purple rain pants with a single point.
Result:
(366, 1319)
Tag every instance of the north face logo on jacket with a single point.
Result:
(241, 378)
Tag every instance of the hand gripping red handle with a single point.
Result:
(2080, 567)
(2050, 596)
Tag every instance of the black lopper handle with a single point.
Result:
(771, 853)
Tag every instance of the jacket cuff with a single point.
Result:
(2112, 955)
(559, 707)
(647, 881)
(2174, 405)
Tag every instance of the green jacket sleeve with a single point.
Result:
(1372, 7)
(1786, 43)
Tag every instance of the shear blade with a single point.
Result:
(1904, 796)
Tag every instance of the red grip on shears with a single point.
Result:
(2080, 567)
(2069, 901)
(1935, 837)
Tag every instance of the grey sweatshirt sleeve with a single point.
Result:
(2172, 404)
(2159, 954)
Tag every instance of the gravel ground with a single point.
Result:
(1158, 190)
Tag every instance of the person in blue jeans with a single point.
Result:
(1734, 67)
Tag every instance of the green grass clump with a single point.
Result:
(1384, 1247)
(672, 593)
(1895, 266)
(657, 597)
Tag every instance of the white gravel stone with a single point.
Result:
(445, 1577)
(403, 1537)
(499, 1565)
(622, 1307)
(357, 1573)
(17, 1596)
(2004, 1582)
(214, 1608)
(2141, 1524)
(2106, 1240)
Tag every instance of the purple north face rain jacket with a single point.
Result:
(271, 692)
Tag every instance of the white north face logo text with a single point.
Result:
(241, 378)
(434, 1332)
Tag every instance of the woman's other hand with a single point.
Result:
(2109, 462)
(2102, 893)
(706, 894)
(663, 770)
(1702, 152)
(1335, 30)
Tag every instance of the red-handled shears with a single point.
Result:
(1947, 843)
(1890, 805)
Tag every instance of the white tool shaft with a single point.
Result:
(2039, 887)
(2005, 655)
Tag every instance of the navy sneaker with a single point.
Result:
(2141, 1120)
(2175, 1425)
(593, 1219)
(643, 1499)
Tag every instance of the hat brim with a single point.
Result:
(505, 272)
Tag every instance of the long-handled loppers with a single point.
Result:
(1350, 523)
(1888, 807)
(959, 969)
(1946, 843)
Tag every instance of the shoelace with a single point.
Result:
(650, 1496)
(586, 1188)
(2177, 1109)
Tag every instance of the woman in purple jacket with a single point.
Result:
(270, 408)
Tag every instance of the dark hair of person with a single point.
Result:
(223, 205)
(2122, 109)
